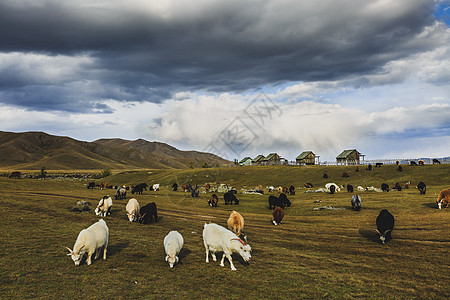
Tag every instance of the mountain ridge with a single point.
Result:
(37, 149)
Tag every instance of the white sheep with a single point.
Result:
(173, 242)
(133, 208)
(104, 206)
(90, 241)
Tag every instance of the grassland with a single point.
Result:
(314, 254)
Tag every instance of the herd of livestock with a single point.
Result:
(217, 238)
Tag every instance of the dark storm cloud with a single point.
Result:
(137, 52)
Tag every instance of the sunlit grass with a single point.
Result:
(314, 254)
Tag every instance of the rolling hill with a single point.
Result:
(34, 150)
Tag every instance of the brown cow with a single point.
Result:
(235, 222)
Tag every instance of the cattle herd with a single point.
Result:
(217, 238)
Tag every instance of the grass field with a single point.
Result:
(313, 254)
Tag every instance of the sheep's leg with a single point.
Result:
(207, 253)
(230, 260)
(213, 254)
(97, 254)
(104, 252)
(89, 261)
(222, 260)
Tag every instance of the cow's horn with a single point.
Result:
(378, 231)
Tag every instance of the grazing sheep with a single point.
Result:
(274, 201)
(336, 187)
(121, 193)
(360, 188)
(385, 225)
(213, 200)
(217, 238)
(443, 198)
(235, 222)
(173, 242)
(90, 241)
(229, 197)
(385, 187)
(356, 202)
(349, 188)
(332, 189)
(422, 188)
(147, 213)
(133, 209)
(104, 206)
(283, 198)
(278, 215)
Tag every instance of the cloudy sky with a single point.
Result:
(237, 78)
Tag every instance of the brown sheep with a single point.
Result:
(235, 222)
(443, 198)
(278, 215)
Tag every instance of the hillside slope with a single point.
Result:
(34, 150)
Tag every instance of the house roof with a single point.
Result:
(269, 157)
(346, 153)
(304, 154)
(258, 158)
(245, 159)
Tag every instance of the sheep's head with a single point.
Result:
(244, 249)
(172, 259)
(440, 204)
(383, 236)
(76, 257)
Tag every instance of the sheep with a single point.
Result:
(229, 197)
(422, 188)
(173, 242)
(104, 206)
(235, 222)
(337, 188)
(349, 188)
(121, 193)
(213, 200)
(278, 215)
(443, 198)
(356, 202)
(385, 187)
(132, 209)
(274, 201)
(90, 241)
(217, 238)
(385, 225)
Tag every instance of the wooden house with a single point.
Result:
(349, 157)
(271, 159)
(306, 158)
(246, 161)
(258, 160)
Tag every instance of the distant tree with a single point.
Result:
(43, 173)
(205, 165)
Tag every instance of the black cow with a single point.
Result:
(422, 188)
(229, 197)
(369, 167)
(174, 187)
(435, 161)
(291, 190)
(332, 189)
(413, 163)
(283, 198)
(385, 187)
(274, 201)
(325, 175)
(147, 213)
(400, 169)
(385, 225)
(378, 165)
(91, 185)
(356, 202)
(349, 188)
